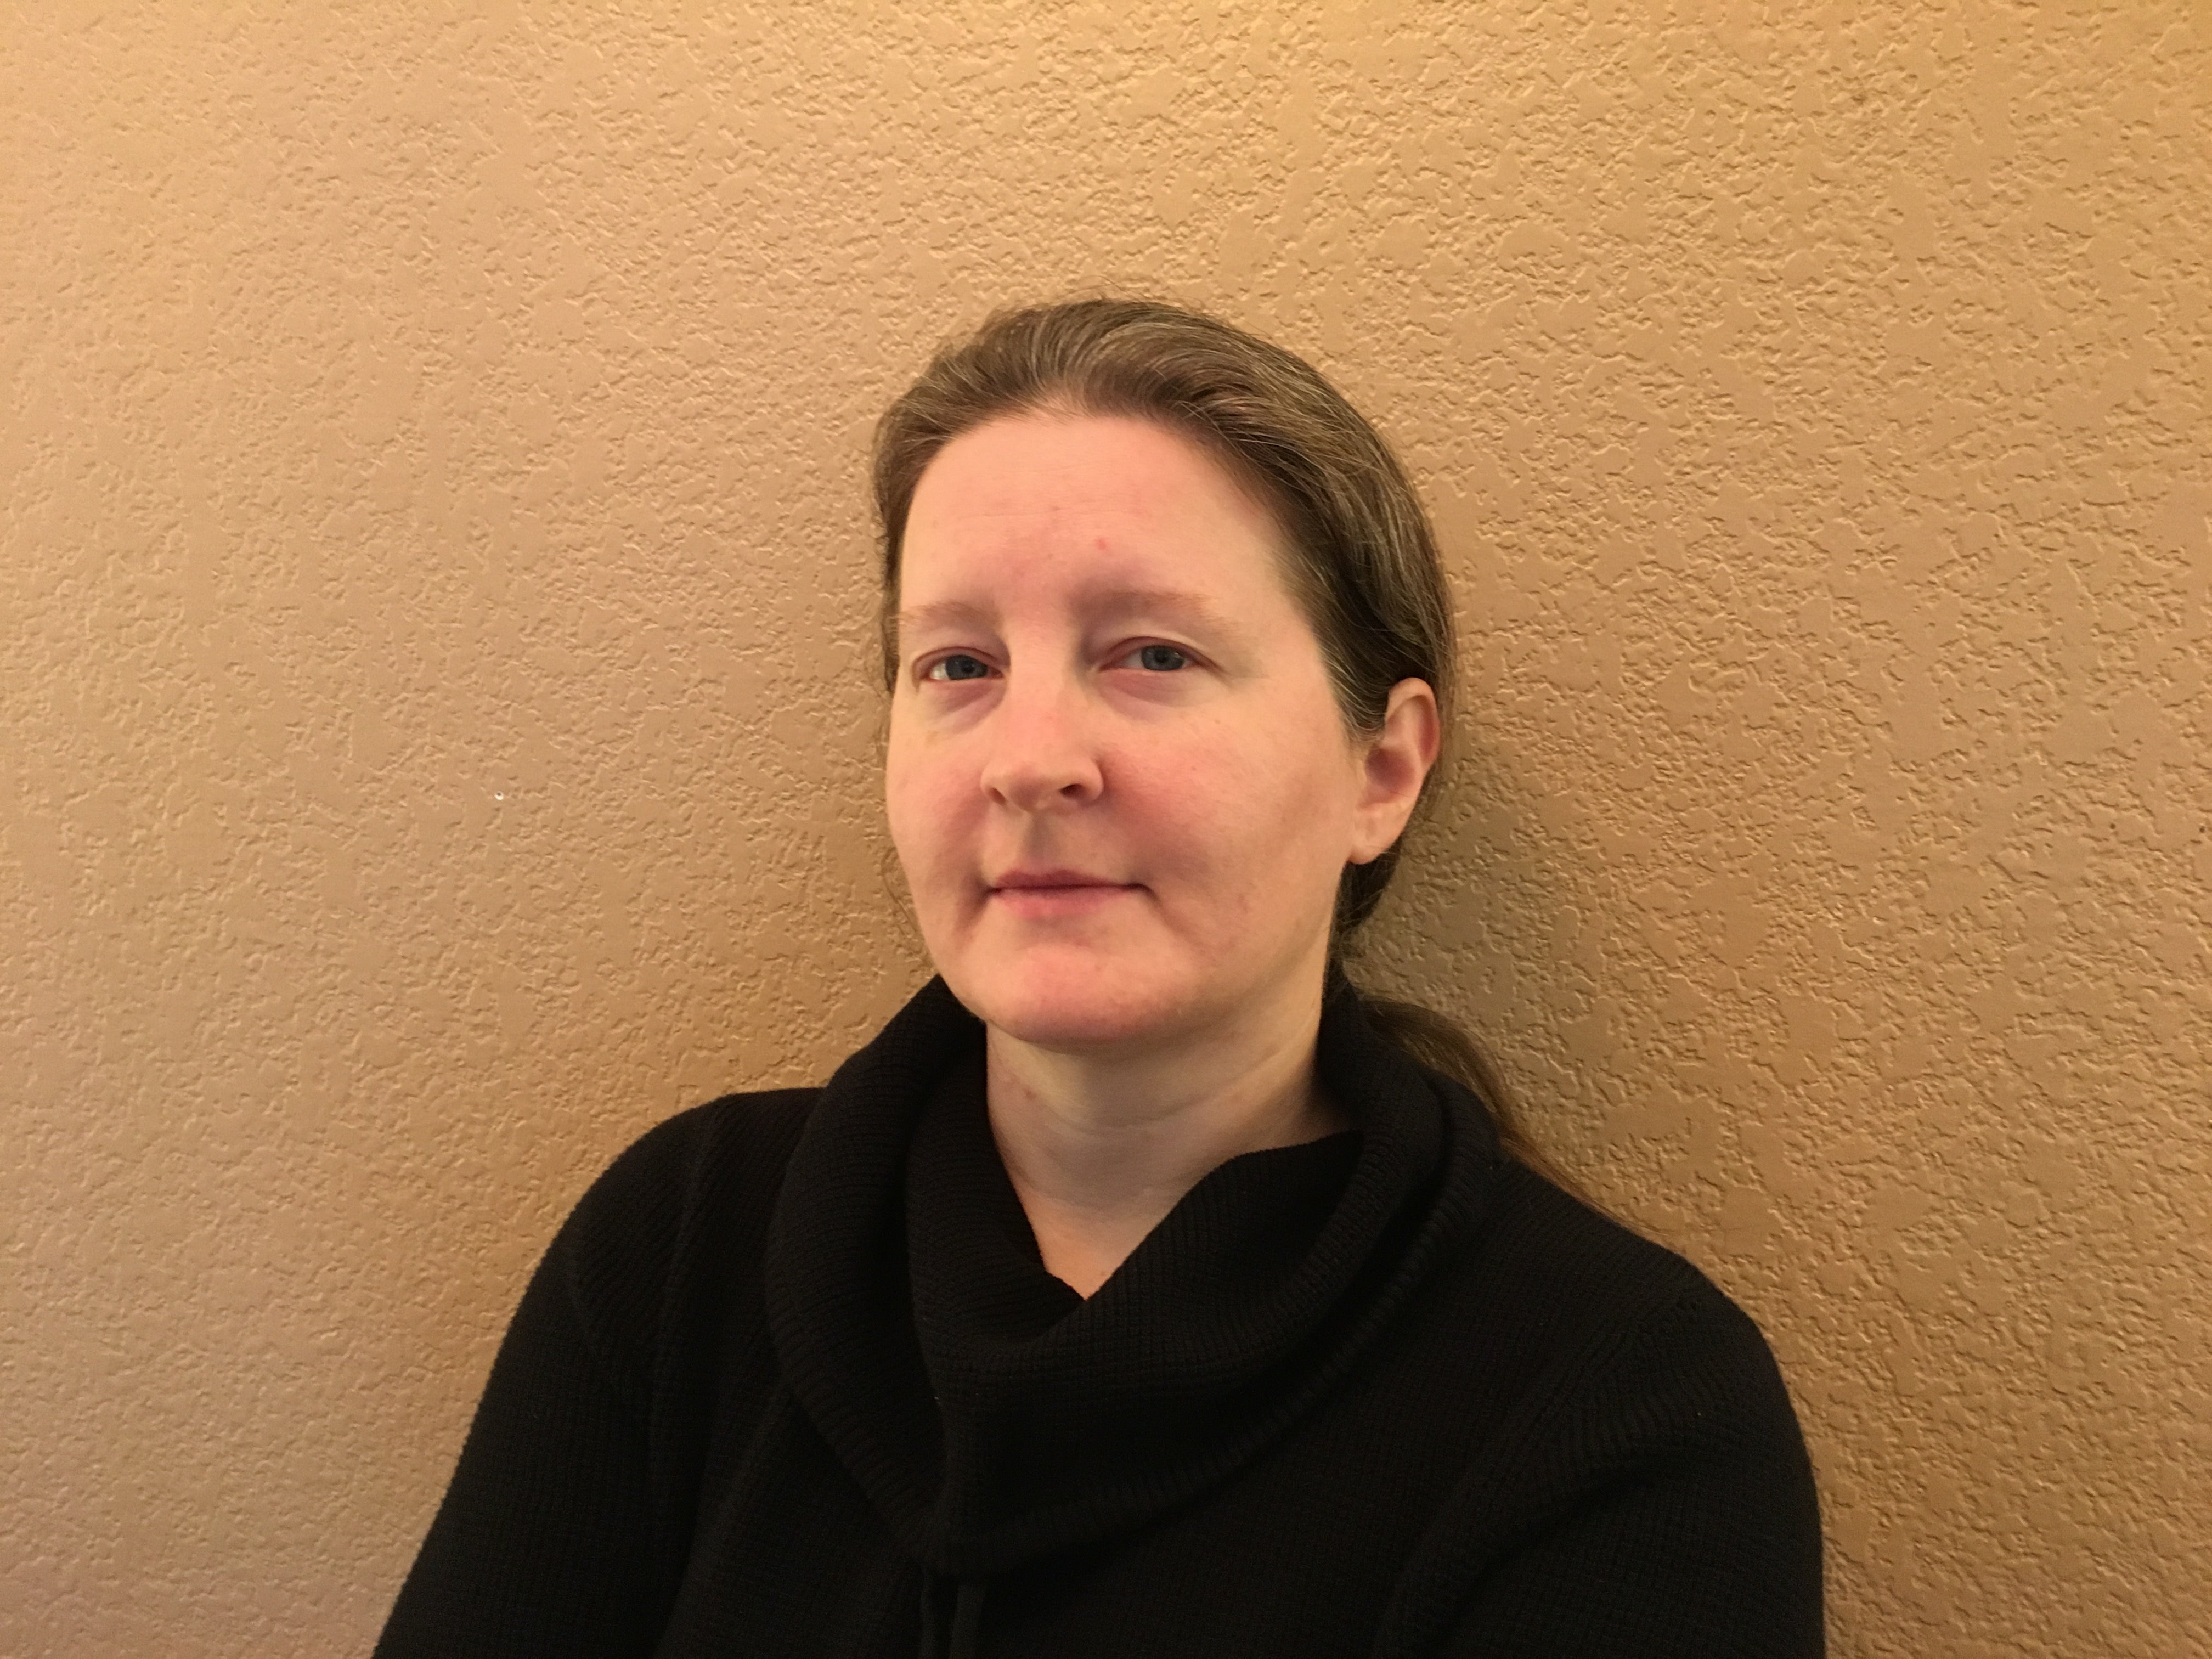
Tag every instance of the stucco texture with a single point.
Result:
(439, 740)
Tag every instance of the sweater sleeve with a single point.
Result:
(545, 1545)
(1671, 1506)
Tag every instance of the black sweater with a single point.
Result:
(792, 1381)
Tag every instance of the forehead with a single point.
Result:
(1106, 491)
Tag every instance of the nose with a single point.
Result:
(1043, 756)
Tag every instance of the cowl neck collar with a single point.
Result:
(992, 1415)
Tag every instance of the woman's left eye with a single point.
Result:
(1160, 659)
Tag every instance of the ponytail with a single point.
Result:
(1439, 1043)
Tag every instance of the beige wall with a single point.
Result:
(437, 742)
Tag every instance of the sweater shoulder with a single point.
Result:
(1567, 1247)
(684, 1208)
(736, 1137)
(1565, 1295)
(729, 1150)
(1645, 1354)
(1640, 1456)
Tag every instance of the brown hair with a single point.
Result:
(1361, 556)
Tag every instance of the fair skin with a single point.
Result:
(1122, 794)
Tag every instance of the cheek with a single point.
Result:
(918, 799)
(930, 808)
(1246, 814)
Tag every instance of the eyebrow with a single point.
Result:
(1193, 609)
(948, 612)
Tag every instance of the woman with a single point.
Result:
(1137, 1290)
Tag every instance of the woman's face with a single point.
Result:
(1117, 779)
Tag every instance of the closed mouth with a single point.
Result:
(1020, 881)
(1044, 895)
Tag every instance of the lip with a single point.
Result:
(1019, 880)
(1039, 894)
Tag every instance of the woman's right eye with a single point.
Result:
(957, 666)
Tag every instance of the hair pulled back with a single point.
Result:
(1361, 558)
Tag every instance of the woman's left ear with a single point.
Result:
(1394, 766)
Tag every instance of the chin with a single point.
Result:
(1077, 1000)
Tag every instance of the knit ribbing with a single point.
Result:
(992, 1415)
(1436, 1415)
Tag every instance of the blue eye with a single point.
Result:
(1162, 659)
(959, 666)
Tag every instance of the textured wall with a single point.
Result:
(437, 741)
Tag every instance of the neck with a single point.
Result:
(1100, 1146)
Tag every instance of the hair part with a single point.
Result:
(1359, 554)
